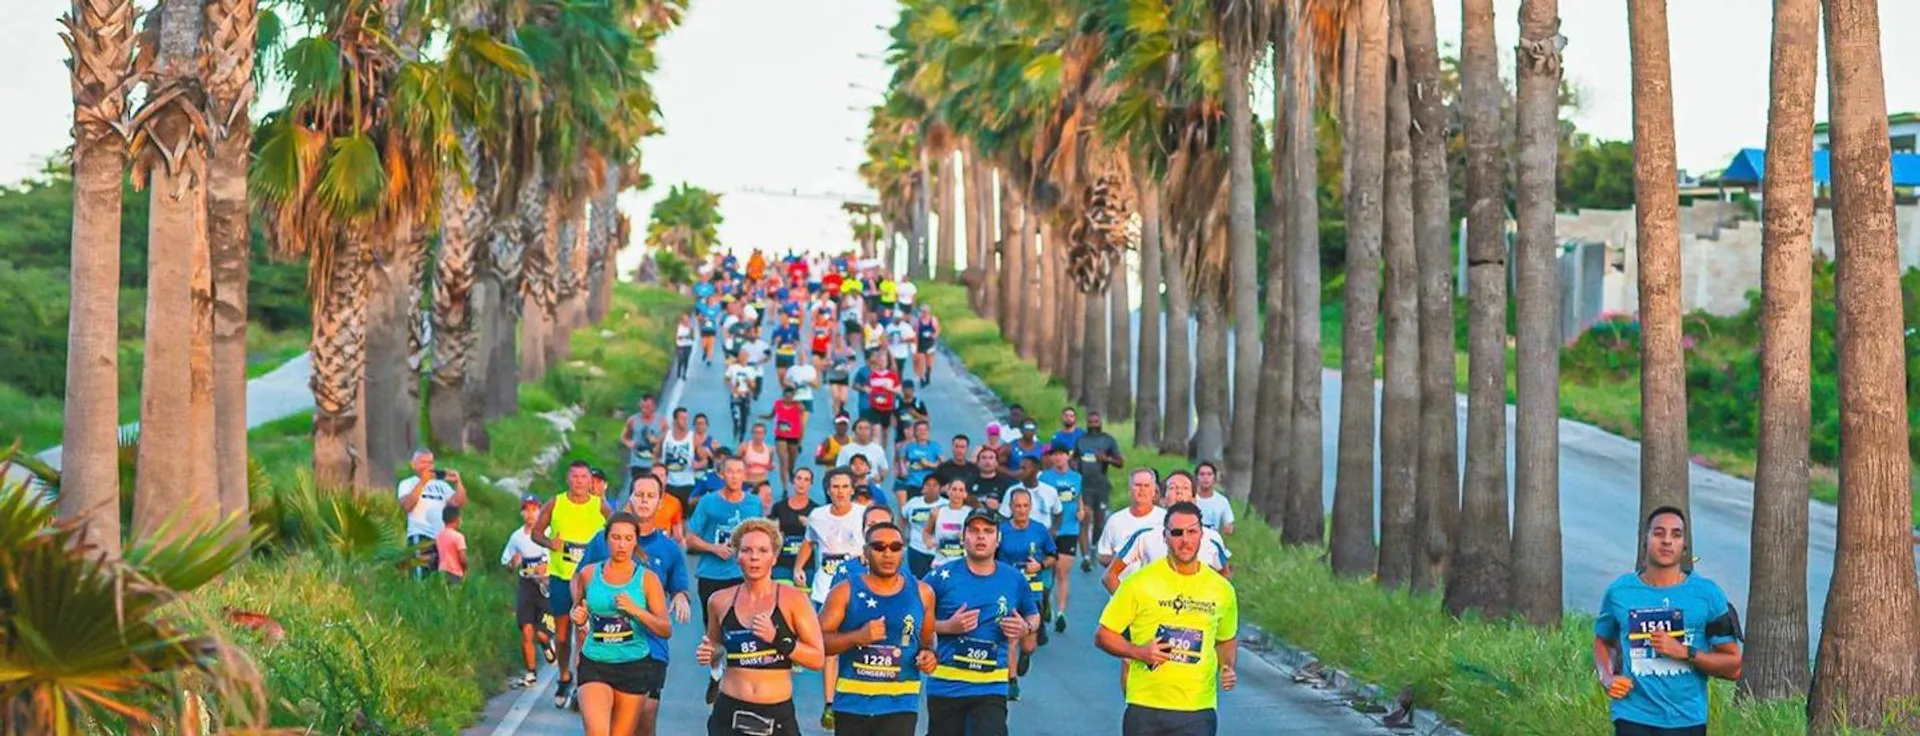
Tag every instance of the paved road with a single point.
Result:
(1600, 502)
(1069, 672)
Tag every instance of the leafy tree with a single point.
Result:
(686, 222)
(1598, 175)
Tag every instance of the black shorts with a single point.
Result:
(1066, 544)
(880, 420)
(1143, 721)
(980, 715)
(787, 443)
(783, 361)
(682, 493)
(774, 719)
(1629, 728)
(529, 602)
(925, 347)
(919, 563)
(645, 677)
(890, 724)
(820, 353)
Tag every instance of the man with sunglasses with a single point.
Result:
(875, 622)
(981, 607)
(1181, 620)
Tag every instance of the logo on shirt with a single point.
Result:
(1182, 603)
(906, 630)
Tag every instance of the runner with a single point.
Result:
(866, 443)
(1146, 546)
(834, 534)
(710, 532)
(789, 415)
(1180, 621)
(900, 337)
(804, 379)
(913, 461)
(926, 335)
(786, 347)
(1069, 433)
(959, 465)
(838, 377)
(641, 437)
(1661, 633)
(791, 515)
(1216, 510)
(703, 444)
(1046, 500)
(676, 454)
(1066, 531)
(989, 485)
(982, 605)
(1026, 445)
(879, 385)
(529, 560)
(682, 346)
(759, 629)
(740, 377)
(879, 693)
(910, 410)
(709, 325)
(758, 455)
(1142, 514)
(946, 524)
(1095, 452)
(1028, 547)
(662, 554)
(916, 512)
(828, 453)
(618, 599)
(565, 525)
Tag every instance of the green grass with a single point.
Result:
(369, 650)
(1487, 677)
(37, 420)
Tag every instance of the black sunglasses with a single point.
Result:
(1180, 531)
(886, 546)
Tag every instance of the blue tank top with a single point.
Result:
(880, 678)
(613, 637)
(925, 329)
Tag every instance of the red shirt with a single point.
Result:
(881, 387)
(797, 271)
(786, 420)
(831, 282)
(822, 338)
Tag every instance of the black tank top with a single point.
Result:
(747, 651)
(793, 530)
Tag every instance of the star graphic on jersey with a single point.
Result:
(943, 573)
(871, 603)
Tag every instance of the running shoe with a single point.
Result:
(1041, 639)
(826, 717)
(1026, 663)
(1086, 565)
(1060, 623)
(1013, 691)
(561, 692)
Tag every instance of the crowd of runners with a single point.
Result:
(920, 575)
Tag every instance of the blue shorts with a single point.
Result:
(559, 597)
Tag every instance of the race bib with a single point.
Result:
(1643, 624)
(1088, 457)
(919, 518)
(950, 547)
(1034, 584)
(975, 655)
(613, 629)
(722, 536)
(572, 552)
(785, 427)
(746, 650)
(792, 545)
(1186, 643)
(876, 662)
(531, 568)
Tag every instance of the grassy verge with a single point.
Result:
(36, 420)
(1487, 677)
(369, 651)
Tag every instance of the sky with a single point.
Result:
(771, 95)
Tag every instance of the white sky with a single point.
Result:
(757, 94)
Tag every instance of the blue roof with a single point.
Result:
(1749, 166)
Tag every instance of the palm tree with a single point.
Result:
(1271, 455)
(232, 34)
(100, 39)
(1437, 496)
(1535, 589)
(1400, 391)
(464, 221)
(1353, 550)
(1242, 26)
(1775, 661)
(170, 144)
(1656, 208)
(1147, 407)
(1119, 398)
(1478, 578)
(1303, 521)
(1867, 671)
(686, 222)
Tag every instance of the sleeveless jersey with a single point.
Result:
(677, 455)
(574, 524)
(613, 637)
(786, 420)
(880, 678)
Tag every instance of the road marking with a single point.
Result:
(524, 704)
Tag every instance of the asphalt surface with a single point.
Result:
(1068, 673)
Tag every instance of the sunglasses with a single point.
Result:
(1181, 531)
(886, 546)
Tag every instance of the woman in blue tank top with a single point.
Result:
(618, 598)
(875, 621)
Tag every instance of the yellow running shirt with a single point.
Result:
(574, 524)
(1193, 612)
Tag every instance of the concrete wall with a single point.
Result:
(1719, 252)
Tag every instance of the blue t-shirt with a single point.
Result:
(1666, 693)
(664, 557)
(918, 452)
(702, 290)
(1016, 454)
(975, 663)
(707, 482)
(1066, 484)
(1019, 545)
(1067, 439)
(713, 520)
(786, 336)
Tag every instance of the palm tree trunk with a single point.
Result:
(1304, 520)
(570, 264)
(1275, 397)
(1031, 300)
(1146, 411)
(920, 258)
(1096, 353)
(601, 247)
(540, 230)
(486, 299)
(1013, 225)
(1239, 410)
(1656, 208)
(1119, 398)
(1869, 662)
(463, 219)
(1775, 663)
(1400, 393)
(100, 37)
(1437, 496)
(339, 361)
(1536, 492)
(1177, 432)
(202, 463)
(232, 25)
(500, 313)
(1478, 579)
(165, 490)
(949, 176)
(387, 350)
(987, 238)
(1210, 388)
(1353, 550)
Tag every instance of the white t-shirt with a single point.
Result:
(1046, 503)
(916, 513)
(905, 293)
(521, 543)
(949, 524)
(1148, 546)
(1122, 524)
(740, 379)
(876, 458)
(802, 376)
(836, 539)
(683, 336)
(424, 520)
(1215, 510)
(900, 340)
(756, 351)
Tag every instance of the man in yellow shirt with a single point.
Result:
(1179, 619)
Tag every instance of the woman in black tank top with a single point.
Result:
(759, 629)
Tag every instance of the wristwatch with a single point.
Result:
(1691, 653)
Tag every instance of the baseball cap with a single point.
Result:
(983, 515)
(598, 474)
(842, 419)
(993, 429)
(529, 500)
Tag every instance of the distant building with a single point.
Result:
(1903, 131)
